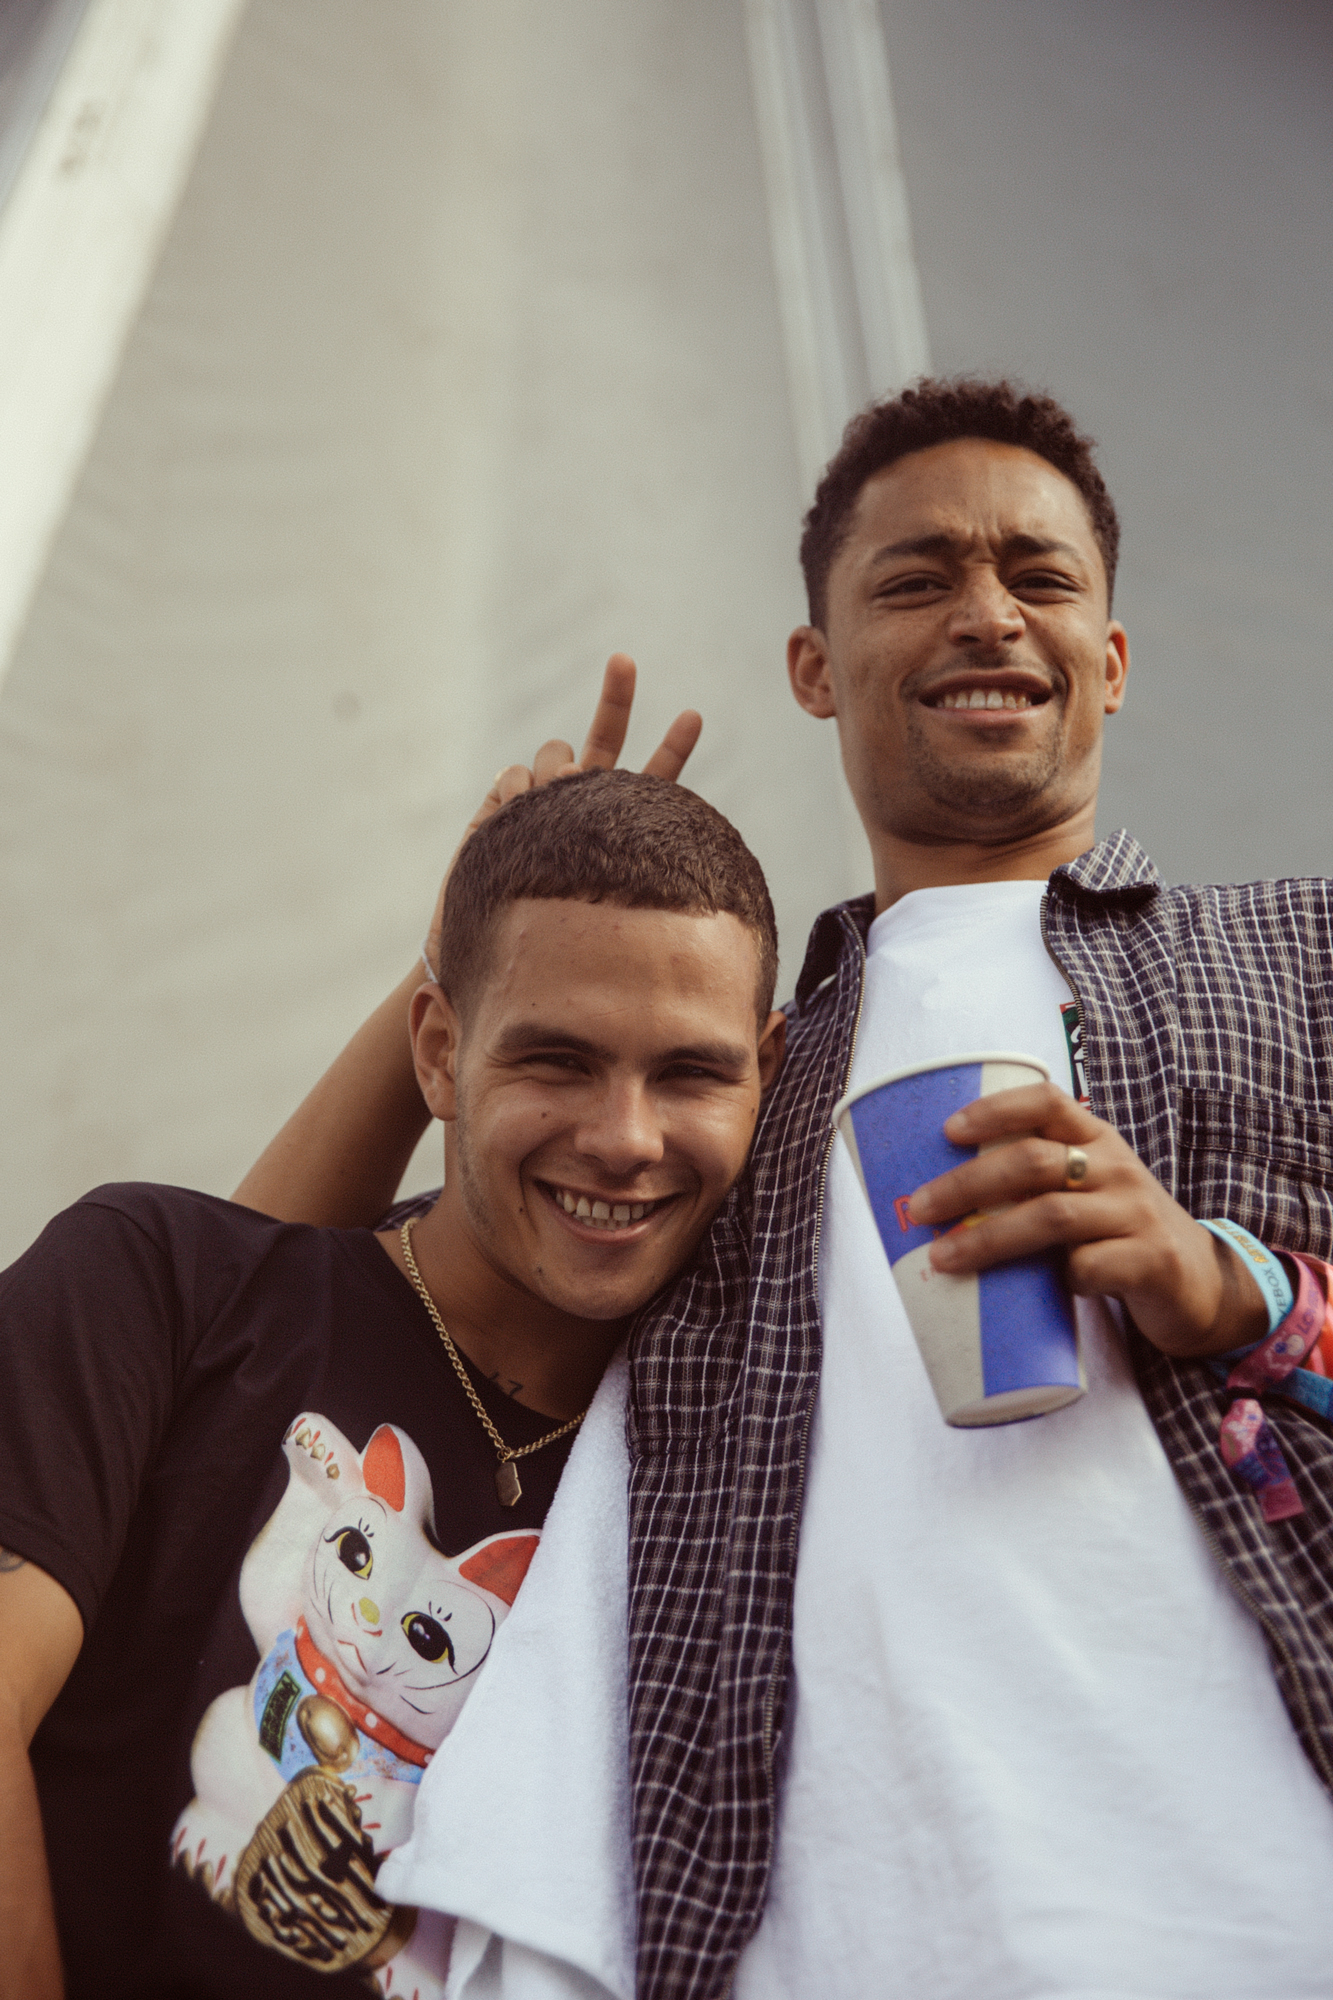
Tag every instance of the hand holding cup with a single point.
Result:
(1121, 1232)
(998, 1344)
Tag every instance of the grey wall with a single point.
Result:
(1132, 204)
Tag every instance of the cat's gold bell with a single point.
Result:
(327, 1730)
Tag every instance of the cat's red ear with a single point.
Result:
(383, 1470)
(501, 1564)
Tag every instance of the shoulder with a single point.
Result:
(1293, 913)
(1288, 917)
(1117, 880)
(141, 1238)
(1312, 893)
(153, 1205)
(157, 1208)
(170, 1218)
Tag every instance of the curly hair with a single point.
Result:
(936, 412)
(616, 837)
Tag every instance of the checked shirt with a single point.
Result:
(1208, 1037)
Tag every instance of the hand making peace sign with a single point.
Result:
(601, 749)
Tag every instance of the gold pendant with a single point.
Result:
(508, 1485)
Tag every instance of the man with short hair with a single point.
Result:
(273, 1488)
(1045, 1708)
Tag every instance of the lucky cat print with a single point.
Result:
(370, 1640)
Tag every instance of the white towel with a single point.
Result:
(522, 1818)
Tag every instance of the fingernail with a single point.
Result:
(943, 1253)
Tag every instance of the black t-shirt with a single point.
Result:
(177, 1375)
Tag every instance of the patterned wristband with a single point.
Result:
(1268, 1365)
(1247, 1440)
(1265, 1267)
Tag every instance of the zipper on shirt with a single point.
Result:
(793, 1532)
(1227, 1568)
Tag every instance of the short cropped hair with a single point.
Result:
(602, 837)
(937, 412)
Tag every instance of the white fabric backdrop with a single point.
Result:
(462, 367)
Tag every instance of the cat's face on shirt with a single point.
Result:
(390, 1612)
(352, 1550)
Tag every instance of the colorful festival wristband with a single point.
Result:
(1266, 1268)
(1312, 1383)
(1248, 1442)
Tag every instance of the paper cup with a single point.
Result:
(998, 1346)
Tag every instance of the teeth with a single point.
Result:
(600, 1213)
(985, 698)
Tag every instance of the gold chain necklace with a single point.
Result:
(508, 1486)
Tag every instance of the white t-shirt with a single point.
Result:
(1034, 1744)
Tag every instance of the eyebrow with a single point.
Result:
(523, 1040)
(943, 545)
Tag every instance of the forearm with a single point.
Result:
(29, 1951)
(340, 1156)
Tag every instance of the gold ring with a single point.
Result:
(1076, 1166)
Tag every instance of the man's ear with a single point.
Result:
(1117, 665)
(433, 1026)
(772, 1048)
(808, 671)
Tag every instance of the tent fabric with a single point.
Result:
(461, 367)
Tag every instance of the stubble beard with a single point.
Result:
(476, 1204)
(543, 1286)
(1006, 795)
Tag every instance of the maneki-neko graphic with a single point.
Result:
(370, 1641)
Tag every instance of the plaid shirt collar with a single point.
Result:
(1116, 869)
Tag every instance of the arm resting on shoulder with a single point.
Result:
(40, 1636)
(340, 1156)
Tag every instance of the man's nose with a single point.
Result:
(984, 612)
(621, 1128)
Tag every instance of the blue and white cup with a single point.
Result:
(1000, 1345)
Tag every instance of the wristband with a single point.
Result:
(430, 973)
(1266, 1268)
(1311, 1383)
(1268, 1365)
(1247, 1442)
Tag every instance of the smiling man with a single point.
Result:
(266, 1491)
(1044, 1709)
(966, 587)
